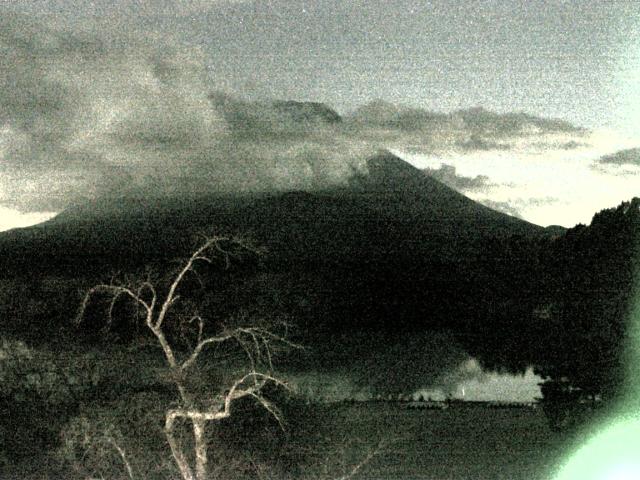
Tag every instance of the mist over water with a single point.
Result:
(471, 383)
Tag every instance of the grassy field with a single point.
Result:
(457, 443)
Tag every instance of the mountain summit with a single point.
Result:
(388, 208)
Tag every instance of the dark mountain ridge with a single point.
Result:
(390, 253)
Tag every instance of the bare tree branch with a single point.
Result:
(256, 342)
(116, 292)
(123, 456)
(200, 345)
(357, 467)
(176, 449)
(196, 256)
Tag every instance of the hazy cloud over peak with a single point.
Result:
(87, 108)
(79, 114)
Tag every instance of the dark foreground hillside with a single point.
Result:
(400, 444)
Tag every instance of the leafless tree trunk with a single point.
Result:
(256, 342)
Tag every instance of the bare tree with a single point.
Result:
(257, 342)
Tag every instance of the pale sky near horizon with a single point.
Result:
(546, 184)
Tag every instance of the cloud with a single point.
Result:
(630, 156)
(395, 117)
(622, 164)
(81, 113)
(481, 188)
(77, 113)
(476, 129)
(504, 207)
(72, 103)
(474, 121)
(481, 121)
(447, 175)
(89, 111)
(277, 119)
(476, 142)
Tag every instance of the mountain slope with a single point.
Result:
(391, 210)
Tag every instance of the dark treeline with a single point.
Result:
(562, 304)
(594, 279)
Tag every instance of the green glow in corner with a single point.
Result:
(613, 452)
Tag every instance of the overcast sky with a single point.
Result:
(97, 93)
(576, 60)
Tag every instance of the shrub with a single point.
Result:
(38, 392)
